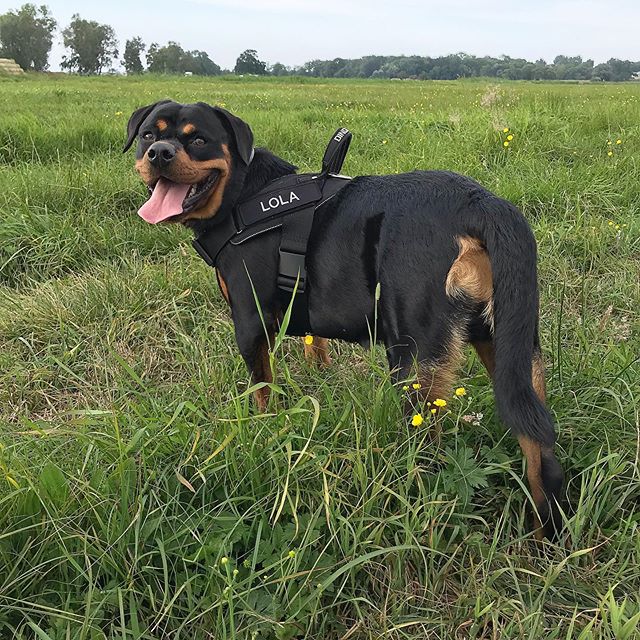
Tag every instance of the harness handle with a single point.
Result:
(336, 151)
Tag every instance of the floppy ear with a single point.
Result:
(136, 119)
(242, 135)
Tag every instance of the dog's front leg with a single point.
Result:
(255, 351)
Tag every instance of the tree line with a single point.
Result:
(462, 65)
(26, 35)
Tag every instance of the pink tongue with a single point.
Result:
(165, 201)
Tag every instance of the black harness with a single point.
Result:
(289, 203)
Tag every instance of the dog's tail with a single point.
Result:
(518, 376)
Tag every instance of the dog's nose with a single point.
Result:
(160, 154)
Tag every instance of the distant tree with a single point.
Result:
(621, 70)
(278, 69)
(172, 58)
(568, 60)
(167, 59)
(602, 72)
(131, 60)
(92, 46)
(248, 62)
(201, 64)
(26, 36)
(370, 64)
(541, 70)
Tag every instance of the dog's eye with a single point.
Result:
(147, 136)
(199, 142)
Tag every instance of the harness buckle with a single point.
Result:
(291, 270)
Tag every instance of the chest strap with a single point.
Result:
(289, 203)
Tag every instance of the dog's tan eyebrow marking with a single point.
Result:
(161, 124)
(188, 129)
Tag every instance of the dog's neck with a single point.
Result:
(264, 167)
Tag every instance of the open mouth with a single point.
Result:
(169, 199)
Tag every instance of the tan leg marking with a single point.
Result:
(223, 287)
(318, 351)
(438, 379)
(532, 452)
(487, 354)
(471, 274)
(537, 377)
(262, 373)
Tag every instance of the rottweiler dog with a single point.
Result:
(452, 262)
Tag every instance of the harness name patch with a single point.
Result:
(301, 191)
(278, 201)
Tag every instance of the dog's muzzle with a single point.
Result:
(161, 154)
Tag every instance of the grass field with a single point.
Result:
(143, 496)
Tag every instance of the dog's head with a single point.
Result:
(187, 155)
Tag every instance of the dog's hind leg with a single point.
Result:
(316, 350)
(428, 365)
(438, 367)
(544, 473)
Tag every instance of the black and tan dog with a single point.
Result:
(455, 264)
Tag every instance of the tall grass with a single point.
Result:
(143, 496)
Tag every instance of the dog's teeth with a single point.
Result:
(192, 190)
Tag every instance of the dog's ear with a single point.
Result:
(242, 134)
(136, 119)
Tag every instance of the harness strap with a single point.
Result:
(289, 202)
(296, 229)
(292, 268)
(209, 245)
(336, 151)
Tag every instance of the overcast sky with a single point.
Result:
(294, 31)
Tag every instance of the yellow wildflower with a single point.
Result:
(292, 554)
(510, 137)
(609, 153)
(118, 113)
(618, 141)
(505, 130)
(461, 391)
(224, 560)
(617, 227)
(384, 142)
(417, 420)
(439, 402)
(308, 339)
(416, 385)
(609, 142)
(610, 223)
(433, 411)
(506, 143)
(405, 387)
